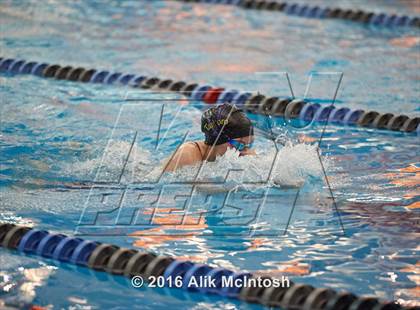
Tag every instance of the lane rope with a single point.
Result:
(132, 262)
(310, 11)
(301, 110)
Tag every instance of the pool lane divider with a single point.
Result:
(131, 262)
(300, 109)
(310, 11)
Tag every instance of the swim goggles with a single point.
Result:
(239, 145)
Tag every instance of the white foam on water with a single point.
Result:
(110, 165)
(294, 164)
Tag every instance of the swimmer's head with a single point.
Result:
(223, 123)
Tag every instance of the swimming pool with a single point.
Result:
(56, 144)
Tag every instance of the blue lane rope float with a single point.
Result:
(48, 244)
(131, 262)
(308, 11)
(82, 252)
(30, 241)
(255, 103)
(65, 248)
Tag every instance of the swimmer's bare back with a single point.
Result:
(189, 153)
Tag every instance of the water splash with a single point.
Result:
(292, 165)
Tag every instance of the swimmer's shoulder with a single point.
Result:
(192, 148)
(189, 153)
(195, 150)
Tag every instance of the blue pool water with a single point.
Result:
(59, 138)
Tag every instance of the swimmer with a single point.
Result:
(224, 127)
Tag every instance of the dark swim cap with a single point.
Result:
(224, 122)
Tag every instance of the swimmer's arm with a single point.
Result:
(186, 155)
